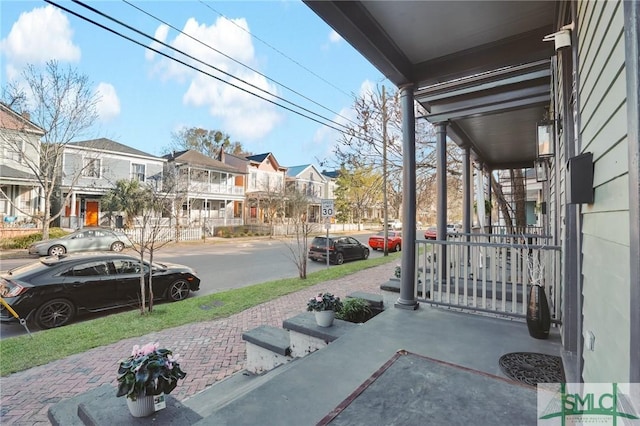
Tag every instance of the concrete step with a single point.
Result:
(267, 347)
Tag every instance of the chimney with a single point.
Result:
(26, 115)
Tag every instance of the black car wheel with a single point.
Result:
(339, 258)
(397, 247)
(118, 246)
(57, 250)
(365, 254)
(179, 290)
(55, 313)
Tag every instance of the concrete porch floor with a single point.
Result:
(309, 388)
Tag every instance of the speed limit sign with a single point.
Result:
(327, 208)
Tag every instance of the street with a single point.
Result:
(220, 266)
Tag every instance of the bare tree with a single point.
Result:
(63, 103)
(297, 212)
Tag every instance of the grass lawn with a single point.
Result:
(23, 352)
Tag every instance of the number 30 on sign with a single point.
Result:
(327, 208)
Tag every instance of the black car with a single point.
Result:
(340, 249)
(53, 290)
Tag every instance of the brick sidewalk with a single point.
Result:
(210, 351)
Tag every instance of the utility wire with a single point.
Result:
(278, 51)
(239, 62)
(342, 131)
(204, 63)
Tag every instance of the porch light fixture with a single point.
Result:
(546, 139)
(541, 168)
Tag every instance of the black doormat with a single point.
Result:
(532, 368)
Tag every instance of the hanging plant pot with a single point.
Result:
(325, 318)
(538, 314)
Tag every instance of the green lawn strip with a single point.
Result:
(24, 352)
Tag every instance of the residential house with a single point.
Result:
(20, 198)
(90, 168)
(264, 186)
(507, 81)
(209, 192)
(307, 180)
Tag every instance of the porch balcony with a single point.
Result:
(453, 376)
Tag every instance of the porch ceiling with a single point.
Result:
(479, 65)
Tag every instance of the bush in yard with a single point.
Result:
(25, 241)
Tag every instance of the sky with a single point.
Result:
(278, 46)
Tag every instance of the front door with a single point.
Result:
(91, 213)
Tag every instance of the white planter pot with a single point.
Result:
(142, 407)
(325, 318)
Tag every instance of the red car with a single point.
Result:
(394, 241)
(431, 233)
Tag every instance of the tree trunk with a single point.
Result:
(519, 198)
(502, 203)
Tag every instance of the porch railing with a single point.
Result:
(487, 276)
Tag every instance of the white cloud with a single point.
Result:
(37, 36)
(109, 105)
(334, 37)
(161, 34)
(244, 117)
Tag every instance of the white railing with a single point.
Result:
(166, 234)
(485, 276)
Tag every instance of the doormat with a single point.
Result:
(411, 389)
(532, 368)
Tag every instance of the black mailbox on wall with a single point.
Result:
(580, 179)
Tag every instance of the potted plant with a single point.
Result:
(325, 306)
(148, 372)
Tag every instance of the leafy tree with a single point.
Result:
(356, 191)
(208, 142)
(63, 103)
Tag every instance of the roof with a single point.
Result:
(11, 120)
(104, 144)
(7, 172)
(196, 158)
(480, 67)
(259, 158)
(296, 170)
(333, 174)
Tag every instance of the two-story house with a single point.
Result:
(90, 168)
(20, 198)
(264, 186)
(210, 192)
(307, 180)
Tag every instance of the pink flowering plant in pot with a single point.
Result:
(324, 302)
(149, 370)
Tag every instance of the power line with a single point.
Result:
(205, 64)
(278, 51)
(239, 62)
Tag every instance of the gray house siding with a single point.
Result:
(605, 223)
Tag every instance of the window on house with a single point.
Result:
(199, 175)
(138, 172)
(91, 167)
(254, 180)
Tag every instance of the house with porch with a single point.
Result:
(209, 192)
(307, 180)
(90, 168)
(264, 185)
(20, 198)
(547, 84)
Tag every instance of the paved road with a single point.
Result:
(221, 266)
(210, 351)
